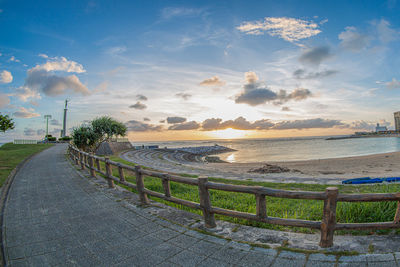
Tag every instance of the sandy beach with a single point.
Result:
(324, 171)
(378, 165)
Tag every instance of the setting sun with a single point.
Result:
(229, 133)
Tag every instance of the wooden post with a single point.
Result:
(109, 173)
(140, 186)
(121, 173)
(329, 217)
(82, 157)
(98, 164)
(397, 215)
(166, 186)
(205, 203)
(77, 157)
(92, 171)
(261, 206)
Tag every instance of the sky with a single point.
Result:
(190, 70)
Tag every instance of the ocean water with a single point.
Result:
(292, 149)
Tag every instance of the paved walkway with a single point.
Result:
(54, 217)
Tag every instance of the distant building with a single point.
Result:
(397, 121)
(379, 128)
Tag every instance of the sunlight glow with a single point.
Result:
(228, 133)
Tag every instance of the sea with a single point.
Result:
(291, 149)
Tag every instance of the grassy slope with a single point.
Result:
(283, 208)
(11, 155)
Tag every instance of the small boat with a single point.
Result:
(369, 180)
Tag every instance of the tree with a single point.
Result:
(6, 123)
(89, 137)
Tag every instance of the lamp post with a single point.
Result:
(47, 117)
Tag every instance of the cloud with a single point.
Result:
(285, 109)
(256, 93)
(141, 98)
(173, 120)
(13, 59)
(162, 121)
(385, 33)
(361, 125)
(303, 74)
(55, 122)
(190, 125)
(289, 29)
(352, 40)
(25, 113)
(172, 12)
(40, 132)
(137, 126)
(54, 85)
(5, 77)
(393, 84)
(146, 119)
(42, 78)
(239, 123)
(60, 64)
(213, 81)
(29, 132)
(185, 96)
(25, 93)
(4, 100)
(307, 124)
(138, 105)
(43, 55)
(315, 56)
(116, 50)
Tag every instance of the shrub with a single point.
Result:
(51, 138)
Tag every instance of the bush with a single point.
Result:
(65, 138)
(51, 139)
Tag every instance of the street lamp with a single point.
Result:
(47, 117)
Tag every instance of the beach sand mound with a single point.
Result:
(269, 168)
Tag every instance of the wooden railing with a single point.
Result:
(331, 196)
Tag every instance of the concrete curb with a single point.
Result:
(3, 199)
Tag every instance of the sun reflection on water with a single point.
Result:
(231, 158)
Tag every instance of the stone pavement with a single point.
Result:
(55, 217)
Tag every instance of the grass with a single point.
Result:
(11, 155)
(281, 207)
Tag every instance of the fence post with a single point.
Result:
(109, 173)
(205, 203)
(140, 186)
(261, 206)
(397, 215)
(121, 173)
(329, 217)
(98, 165)
(92, 171)
(82, 158)
(77, 159)
(166, 186)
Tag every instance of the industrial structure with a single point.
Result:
(64, 130)
(397, 121)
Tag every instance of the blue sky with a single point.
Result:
(192, 69)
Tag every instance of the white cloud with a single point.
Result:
(25, 113)
(352, 40)
(393, 84)
(42, 79)
(385, 32)
(13, 59)
(43, 55)
(25, 93)
(60, 64)
(5, 77)
(172, 12)
(213, 81)
(289, 29)
(4, 100)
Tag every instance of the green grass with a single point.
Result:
(281, 207)
(11, 155)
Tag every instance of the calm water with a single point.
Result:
(289, 149)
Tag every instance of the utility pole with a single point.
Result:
(64, 131)
(47, 117)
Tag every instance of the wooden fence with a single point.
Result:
(331, 196)
(25, 142)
